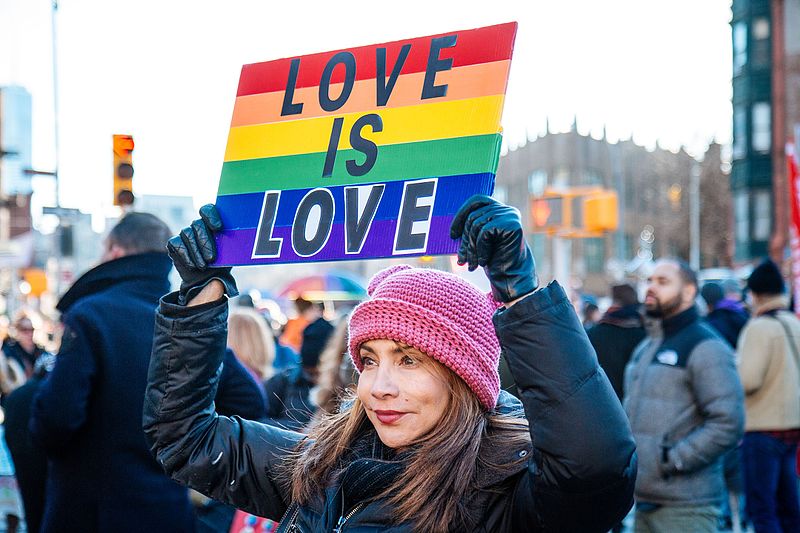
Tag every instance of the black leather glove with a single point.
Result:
(191, 252)
(491, 237)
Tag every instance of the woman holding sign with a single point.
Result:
(429, 443)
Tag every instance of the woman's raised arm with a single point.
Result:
(229, 459)
(583, 469)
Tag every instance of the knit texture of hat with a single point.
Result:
(766, 279)
(438, 313)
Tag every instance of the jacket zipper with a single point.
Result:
(343, 519)
(290, 525)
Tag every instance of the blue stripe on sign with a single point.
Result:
(242, 211)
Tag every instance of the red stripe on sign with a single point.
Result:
(481, 45)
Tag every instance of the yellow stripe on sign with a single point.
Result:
(440, 120)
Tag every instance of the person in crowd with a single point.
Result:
(428, 443)
(769, 366)
(84, 413)
(285, 358)
(87, 412)
(336, 371)
(244, 300)
(292, 335)
(726, 316)
(685, 404)
(315, 337)
(251, 342)
(12, 375)
(734, 293)
(289, 400)
(30, 459)
(288, 395)
(21, 347)
(617, 334)
(591, 315)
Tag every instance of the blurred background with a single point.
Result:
(632, 130)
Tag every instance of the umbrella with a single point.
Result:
(332, 286)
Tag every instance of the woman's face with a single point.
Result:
(403, 394)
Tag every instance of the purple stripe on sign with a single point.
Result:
(378, 243)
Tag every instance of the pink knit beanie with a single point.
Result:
(438, 313)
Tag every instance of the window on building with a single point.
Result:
(760, 28)
(562, 177)
(739, 47)
(592, 177)
(739, 132)
(741, 217)
(762, 127)
(761, 43)
(762, 215)
(594, 254)
(537, 182)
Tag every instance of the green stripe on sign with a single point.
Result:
(395, 162)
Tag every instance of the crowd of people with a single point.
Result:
(710, 381)
(74, 429)
(429, 407)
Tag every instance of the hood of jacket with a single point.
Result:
(152, 267)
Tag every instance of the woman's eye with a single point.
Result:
(407, 360)
(367, 361)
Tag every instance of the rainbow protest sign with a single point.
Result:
(362, 153)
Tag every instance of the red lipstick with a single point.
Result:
(389, 417)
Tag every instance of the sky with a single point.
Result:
(166, 72)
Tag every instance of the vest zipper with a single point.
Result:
(343, 519)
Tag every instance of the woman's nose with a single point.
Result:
(385, 383)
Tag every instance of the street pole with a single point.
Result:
(694, 217)
(57, 248)
(562, 255)
(619, 181)
(55, 100)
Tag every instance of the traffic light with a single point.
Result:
(123, 170)
(547, 213)
(600, 212)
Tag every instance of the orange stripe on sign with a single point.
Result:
(471, 81)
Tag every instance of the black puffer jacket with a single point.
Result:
(579, 476)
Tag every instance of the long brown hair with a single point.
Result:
(433, 490)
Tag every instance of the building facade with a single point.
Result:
(766, 113)
(653, 189)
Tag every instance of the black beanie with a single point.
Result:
(766, 279)
(712, 293)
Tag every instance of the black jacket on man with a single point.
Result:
(728, 318)
(614, 338)
(578, 475)
(88, 411)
